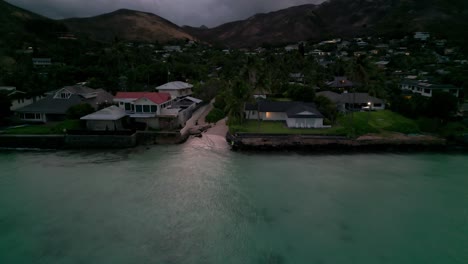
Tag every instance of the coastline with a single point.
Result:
(325, 144)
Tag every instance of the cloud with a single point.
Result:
(181, 12)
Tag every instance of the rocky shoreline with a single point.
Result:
(370, 142)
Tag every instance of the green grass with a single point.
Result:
(279, 127)
(45, 129)
(360, 123)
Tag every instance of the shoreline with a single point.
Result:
(333, 144)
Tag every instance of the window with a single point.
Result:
(65, 95)
(121, 103)
(139, 109)
(127, 107)
(146, 108)
(428, 91)
(154, 109)
(31, 116)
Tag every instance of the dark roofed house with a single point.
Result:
(296, 114)
(354, 101)
(55, 105)
(340, 82)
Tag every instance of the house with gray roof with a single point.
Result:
(427, 89)
(56, 104)
(354, 101)
(340, 82)
(107, 119)
(295, 114)
(176, 89)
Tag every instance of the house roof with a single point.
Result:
(157, 98)
(193, 99)
(110, 113)
(340, 81)
(292, 109)
(427, 85)
(51, 105)
(302, 110)
(80, 95)
(358, 98)
(174, 86)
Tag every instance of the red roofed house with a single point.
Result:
(145, 107)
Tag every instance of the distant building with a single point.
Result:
(427, 89)
(176, 89)
(354, 101)
(41, 62)
(172, 48)
(291, 48)
(422, 36)
(340, 82)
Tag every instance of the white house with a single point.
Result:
(427, 89)
(176, 89)
(144, 107)
(295, 114)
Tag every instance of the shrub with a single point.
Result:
(78, 111)
(215, 115)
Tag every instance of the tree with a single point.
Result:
(78, 111)
(5, 105)
(442, 105)
(327, 108)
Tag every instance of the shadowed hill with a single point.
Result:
(343, 18)
(128, 25)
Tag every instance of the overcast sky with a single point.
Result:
(182, 12)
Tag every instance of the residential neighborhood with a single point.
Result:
(302, 87)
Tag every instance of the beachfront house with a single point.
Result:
(157, 110)
(176, 89)
(111, 118)
(55, 105)
(144, 107)
(354, 101)
(294, 114)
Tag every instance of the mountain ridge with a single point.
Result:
(127, 24)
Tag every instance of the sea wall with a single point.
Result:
(267, 142)
(32, 141)
(100, 141)
(151, 138)
(90, 141)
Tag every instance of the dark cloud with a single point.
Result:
(182, 12)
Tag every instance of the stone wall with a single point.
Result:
(32, 141)
(100, 141)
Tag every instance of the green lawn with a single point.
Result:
(279, 127)
(359, 123)
(44, 129)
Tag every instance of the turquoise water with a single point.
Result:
(201, 203)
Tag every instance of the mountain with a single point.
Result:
(342, 18)
(129, 25)
(17, 25)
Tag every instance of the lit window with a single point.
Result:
(268, 114)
